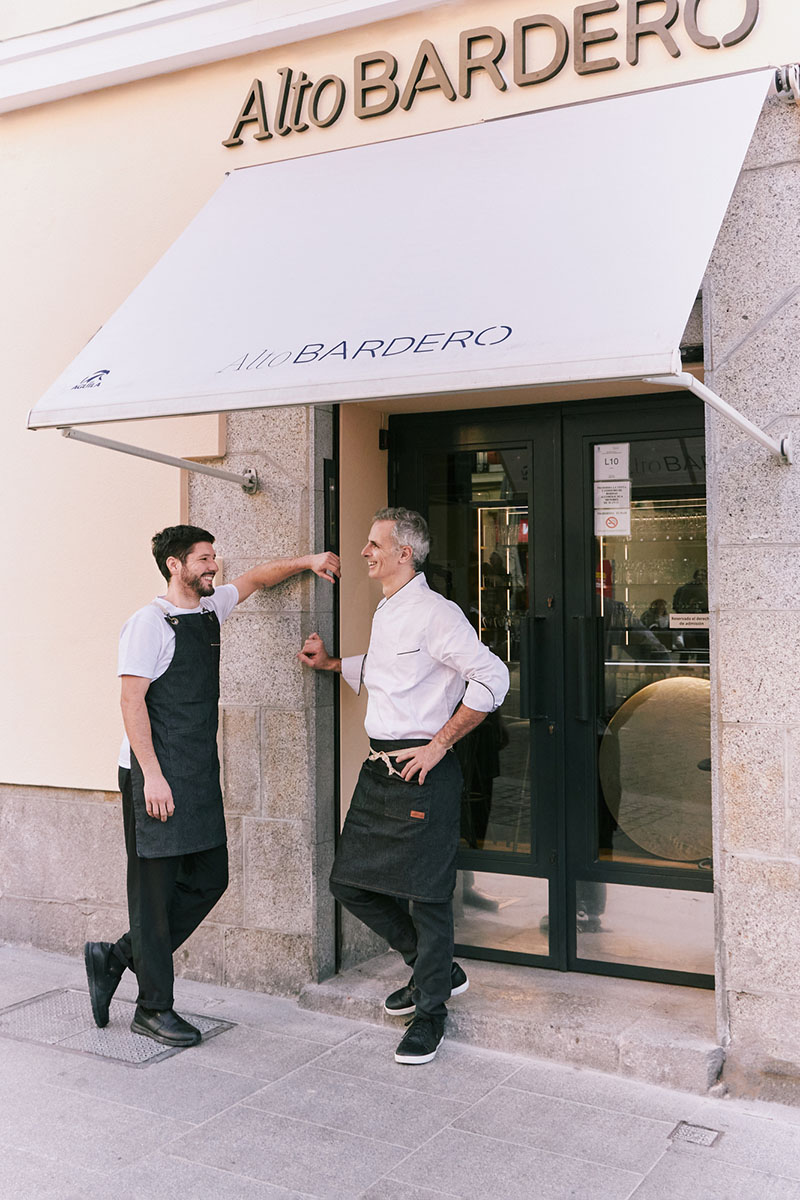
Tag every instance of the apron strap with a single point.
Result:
(384, 756)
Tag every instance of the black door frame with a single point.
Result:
(563, 689)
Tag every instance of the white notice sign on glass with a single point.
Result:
(612, 522)
(611, 460)
(689, 621)
(614, 494)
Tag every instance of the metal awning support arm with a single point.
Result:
(780, 447)
(248, 481)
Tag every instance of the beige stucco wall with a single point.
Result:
(100, 185)
(86, 216)
(362, 491)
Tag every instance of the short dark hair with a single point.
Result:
(176, 541)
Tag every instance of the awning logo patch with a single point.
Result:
(93, 380)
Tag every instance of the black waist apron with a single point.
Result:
(401, 838)
(183, 705)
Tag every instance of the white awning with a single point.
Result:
(541, 249)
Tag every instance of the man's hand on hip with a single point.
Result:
(158, 798)
(420, 758)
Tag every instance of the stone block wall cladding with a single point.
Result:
(751, 302)
(62, 867)
(274, 929)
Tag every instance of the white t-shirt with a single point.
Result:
(147, 641)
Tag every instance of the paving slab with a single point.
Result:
(393, 1189)
(621, 1095)
(161, 1177)
(274, 1013)
(79, 1131)
(614, 1139)
(458, 1072)
(28, 1175)
(258, 1053)
(476, 1168)
(394, 1114)
(182, 1088)
(292, 1154)
(759, 1143)
(677, 1178)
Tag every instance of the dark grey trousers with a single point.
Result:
(424, 937)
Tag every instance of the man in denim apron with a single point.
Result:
(169, 772)
(430, 681)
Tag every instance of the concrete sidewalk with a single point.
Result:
(291, 1103)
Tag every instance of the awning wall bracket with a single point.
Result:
(787, 83)
(247, 481)
(780, 447)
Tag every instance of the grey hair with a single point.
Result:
(410, 529)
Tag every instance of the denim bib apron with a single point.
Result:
(401, 838)
(183, 705)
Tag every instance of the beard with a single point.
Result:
(199, 584)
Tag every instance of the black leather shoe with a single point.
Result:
(164, 1026)
(401, 1002)
(103, 972)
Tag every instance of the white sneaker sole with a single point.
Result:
(405, 1012)
(413, 1060)
(399, 1012)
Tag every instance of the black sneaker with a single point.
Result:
(422, 1040)
(401, 1002)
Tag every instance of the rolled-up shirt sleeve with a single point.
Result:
(453, 641)
(353, 671)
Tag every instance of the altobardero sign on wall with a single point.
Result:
(537, 49)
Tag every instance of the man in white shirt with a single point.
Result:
(169, 771)
(430, 681)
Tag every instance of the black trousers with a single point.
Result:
(424, 937)
(167, 900)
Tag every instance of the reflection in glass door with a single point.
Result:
(639, 778)
(478, 503)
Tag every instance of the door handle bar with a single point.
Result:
(528, 669)
(581, 670)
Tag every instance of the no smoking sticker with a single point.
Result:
(615, 523)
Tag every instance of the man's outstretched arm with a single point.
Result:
(267, 574)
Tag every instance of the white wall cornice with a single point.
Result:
(162, 36)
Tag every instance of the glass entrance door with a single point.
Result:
(637, 695)
(585, 829)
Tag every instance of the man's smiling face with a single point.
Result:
(198, 572)
(385, 560)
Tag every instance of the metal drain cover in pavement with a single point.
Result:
(64, 1018)
(698, 1135)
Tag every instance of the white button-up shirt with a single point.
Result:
(422, 652)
